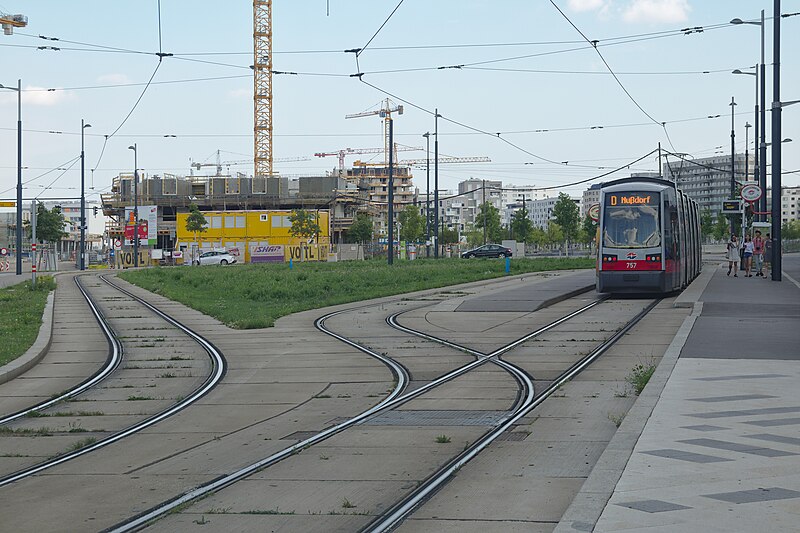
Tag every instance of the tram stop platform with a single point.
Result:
(713, 442)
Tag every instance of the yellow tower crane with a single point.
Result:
(262, 88)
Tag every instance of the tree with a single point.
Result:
(49, 224)
(706, 224)
(589, 230)
(554, 234)
(412, 224)
(538, 237)
(521, 226)
(361, 229)
(489, 216)
(196, 223)
(448, 236)
(721, 228)
(567, 216)
(305, 224)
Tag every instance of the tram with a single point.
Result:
(648, 237)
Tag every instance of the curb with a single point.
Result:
(587, 507)
(691, 294)
(38, 350)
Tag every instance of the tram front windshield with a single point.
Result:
(631, 220)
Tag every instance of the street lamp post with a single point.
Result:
(19, 172)
(436, 184)
(733, 159)
(135, 206)
(83, 201)
(762, 135)
(390, 249)
(427, 136)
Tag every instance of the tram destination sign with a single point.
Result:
(731, 206)
(634, 198)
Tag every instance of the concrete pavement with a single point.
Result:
(719, 449)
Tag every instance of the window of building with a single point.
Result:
(240, 221)
(230, 221)
(216, 222)
(280, 221)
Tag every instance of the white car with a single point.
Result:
(215, 258)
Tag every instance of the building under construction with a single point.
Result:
(362, 189)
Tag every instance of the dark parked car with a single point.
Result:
(487, 250)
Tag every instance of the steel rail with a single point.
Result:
(398, 512)
(395, 399)
(218, 371)
(115, 356)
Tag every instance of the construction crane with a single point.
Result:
(9, 22)
(262, 88)
(348, 151)
(219, 164)
(445, 159)
(385, 113)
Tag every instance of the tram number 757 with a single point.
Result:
(630, 265)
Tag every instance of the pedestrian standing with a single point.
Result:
(758, 254)
(748, 256)
(733, 255)
(768, 255)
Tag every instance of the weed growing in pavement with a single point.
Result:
(322, 396)
(219, 510)
(88, 441)
(36, 414)
(640, 375)
(442, 439)
(137, 398)
(201, 521)
(41, 432)
(323, 457)
(616, 419)
(78, 430)
(346, 504)
(167, 375)
(275, 511)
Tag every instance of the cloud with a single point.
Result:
(40, 96)
(113, 79)
(668, 11)
(586, 5)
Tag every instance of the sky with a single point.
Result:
(530, 91)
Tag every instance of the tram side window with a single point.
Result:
(631, 227)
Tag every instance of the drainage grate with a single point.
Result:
(514, 436)
(438, 418)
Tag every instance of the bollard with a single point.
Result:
(290, 263)
(508, 265)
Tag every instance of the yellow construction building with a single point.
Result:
(240, 231)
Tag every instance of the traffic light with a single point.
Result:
(95, 210)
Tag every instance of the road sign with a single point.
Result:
(3, 251)
(751, 192)
(117, 243)
(594, 212)
(731, 206)
(8, 204)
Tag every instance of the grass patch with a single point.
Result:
(640, 375)
(255, 296)
(88, 441)
(21, 310)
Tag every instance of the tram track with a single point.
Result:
(402, 509)
(396, 398)
(218, 366)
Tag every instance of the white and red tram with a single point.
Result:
(648, 237)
